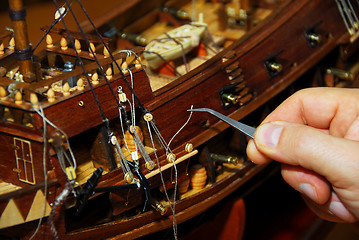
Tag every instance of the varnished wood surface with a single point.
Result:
(140, 226)
(297, 57)
(40, 13)
(193, 209)
(76, 35)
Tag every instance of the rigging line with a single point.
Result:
(139, 59)
(174, 222)
(60, 157)
(122, 107)
(168, 150)
(353, 12)
(133, 100)
(162, 141)
(190, 115)
(137, 141)
(68, 159)
(343, 16)
(174, 198)
(160, 138)
(81, 63)
(58, 19)
(182, 49)
(158, 163)
(212, 40)
(113, 59)
(88, 45)
(101, 69)
(125, 163)
(123, 131)
(141, 147)
(63, 133)
(354, 15)
(120, 160)
(210, 48)
(132, 107)
(132, 124)
(46, 33)
(45, 176)
(140, 105)
(164, 60)
(348, 13)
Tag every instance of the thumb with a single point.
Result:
(310, 148)
(334, 158)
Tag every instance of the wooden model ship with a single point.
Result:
(95, 135)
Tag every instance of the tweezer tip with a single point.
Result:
(197, 109)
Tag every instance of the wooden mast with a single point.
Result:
(23, 48)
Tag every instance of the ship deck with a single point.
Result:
(7, 187)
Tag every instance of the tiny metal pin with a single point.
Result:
(247, 130)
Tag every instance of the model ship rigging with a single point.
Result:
(95, 121)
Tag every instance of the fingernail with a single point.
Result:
(268, 135)
(338, 209)
(309, 191)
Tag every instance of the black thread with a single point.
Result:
(17, 15)
(24, 54)
(83, 68)
(140, 105)
(48, 31)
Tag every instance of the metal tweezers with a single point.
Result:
(247, 130)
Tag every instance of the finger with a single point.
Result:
(333, 210)
(321, 210)
(309, 148)
(254, 155)
(333, 158)
(307, 182)
(353, 133)
(325, 108)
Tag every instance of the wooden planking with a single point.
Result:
(11, 215)
(7, 187)
(91, 110)
(16, 213)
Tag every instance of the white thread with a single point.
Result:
(137, 58)
(122, 160)
(74, 163)
(123, 131)
(173, 208)
(162, 140)
(190, 115)
(133, 124)
(163, 143)
(141, 147)
(133, 100)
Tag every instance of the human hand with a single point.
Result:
(315, 135)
